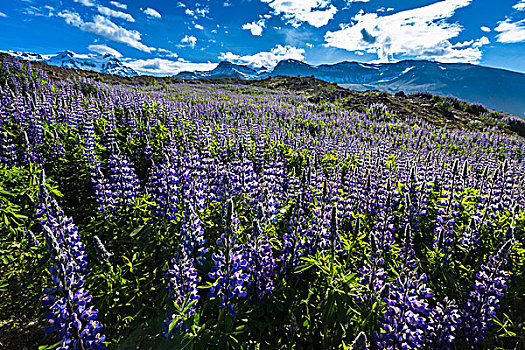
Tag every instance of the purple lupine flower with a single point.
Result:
(164, 187)
(404, 323)
(102, 253)
(123, 181)
(489, 289)
(445, 322)
(471, 236)
(383, 231)
(7, 150)
(407, 253)
(360, 342)
(58, 149)
(147, 151)
(228, 271)
(373, 276)
(316, 235)
(334, 240)
(182, 290)
(261, 266)
(444, 239)
(32, 241)
(292, 240)
(68, 300)
(101, 189)
(192, 233)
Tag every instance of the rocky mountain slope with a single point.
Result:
(495, 88)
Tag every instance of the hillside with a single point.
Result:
(153, 214)
(495, 88)
(454, 113)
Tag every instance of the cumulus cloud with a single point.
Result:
(188, 40)
(164, 67)
(510, 32)
(198, 26)
(520, 5)
(265, 58)
(106, 11)
(197, 12)
(421, 32)
(87, 3)
(255, 27)
(107, 29)
(119, 5)
(167, 53)
(103, 49)
(485, 29)
(3, 14)
(152, 13)
(314, 12)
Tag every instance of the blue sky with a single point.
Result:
(166, 36)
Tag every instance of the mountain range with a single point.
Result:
(492, 87)
(66, 59)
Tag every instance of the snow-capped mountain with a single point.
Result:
(226, 69)
(98, 63)
(495, 88)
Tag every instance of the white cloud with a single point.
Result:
(106, 11)
(510, 32)
(152, 13)
(167, 53)
(481, 41)
(119, 5)
(485, 29)
(188, 40)
(202, 11)
(103, 49)
(421, 32)
(3, 14)
(265, 58)
(255, 27)
(46, 11)
(180, 4)
(71, 18)
(163, 67)
(226, 4)
(87, 3)
(198, 26)
(383, 9)
(197, 12)
(315, 12)
(107, 29)
(520, 5)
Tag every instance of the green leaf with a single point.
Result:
(49, 347)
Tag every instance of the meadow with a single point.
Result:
(204, 216)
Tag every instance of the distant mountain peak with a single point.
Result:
(225, 69)
(494, 88)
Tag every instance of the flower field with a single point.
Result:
(204, 216)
